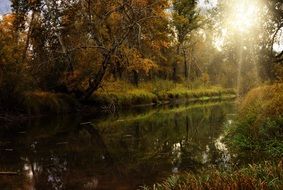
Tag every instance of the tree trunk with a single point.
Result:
(28, 37)
(175, 64)
(189, 68)
(96, 81)
(185, 65)
(174, 72)
(135, 78)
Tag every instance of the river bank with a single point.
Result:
(121, 94)
(111, 98)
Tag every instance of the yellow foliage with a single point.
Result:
(6, 24)
(9, 46)
(266, 101)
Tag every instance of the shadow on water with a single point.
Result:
(114, 152)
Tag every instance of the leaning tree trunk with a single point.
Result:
(97, 79)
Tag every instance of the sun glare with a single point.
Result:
(243, 15)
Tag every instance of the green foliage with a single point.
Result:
(185, 17)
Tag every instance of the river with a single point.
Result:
(114, 151)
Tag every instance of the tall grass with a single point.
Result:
(266, 176)
(259, 126)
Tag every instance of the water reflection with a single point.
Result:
(114, 152)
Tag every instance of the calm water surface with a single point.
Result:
(122, 151)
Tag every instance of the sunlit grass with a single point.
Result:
(121, 93)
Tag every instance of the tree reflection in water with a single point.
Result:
(123, 152)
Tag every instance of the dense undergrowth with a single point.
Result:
(259, 125)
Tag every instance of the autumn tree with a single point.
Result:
(12, 77)
(73, 44)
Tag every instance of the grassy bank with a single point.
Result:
(258, 176)
(259, 125)
(117, 94)
(124, 94)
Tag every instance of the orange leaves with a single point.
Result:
(6, 24)
(115, 20)
(147, 65)
(159, 44)
(9, 46)
(137, 62)
(140, 3)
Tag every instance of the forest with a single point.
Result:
(95, 92)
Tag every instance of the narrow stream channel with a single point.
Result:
(122, 151)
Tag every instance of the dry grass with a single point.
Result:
(265, 101)
(260, 121)
(265, 176)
